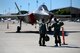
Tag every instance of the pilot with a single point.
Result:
(42, 31)
(57, 25)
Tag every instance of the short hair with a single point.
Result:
(55, 19)
(42, 20)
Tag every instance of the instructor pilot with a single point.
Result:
(57, 25)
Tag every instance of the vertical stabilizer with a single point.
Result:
(18, 8)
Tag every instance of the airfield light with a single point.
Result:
(28, 6)
(37, 2)
(50, 4)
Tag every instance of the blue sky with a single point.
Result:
(9, 6)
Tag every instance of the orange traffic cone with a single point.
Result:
(63, 37)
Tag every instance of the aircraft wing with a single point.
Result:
(6, 16)
(62, 16)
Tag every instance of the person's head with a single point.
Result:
(51, 16)
(55, 19)
(43, 20)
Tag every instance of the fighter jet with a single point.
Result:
(41, 13)
(31, 18)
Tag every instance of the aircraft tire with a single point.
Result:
(18, 28)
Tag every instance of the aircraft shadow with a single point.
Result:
(37, 32)
(48, 32)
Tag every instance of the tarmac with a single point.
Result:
(27, 42)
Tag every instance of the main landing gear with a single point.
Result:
(19, 27)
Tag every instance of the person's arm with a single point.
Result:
(45, 29)
(52, 25)
(38, 22)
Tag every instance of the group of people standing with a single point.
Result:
(43, 30)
